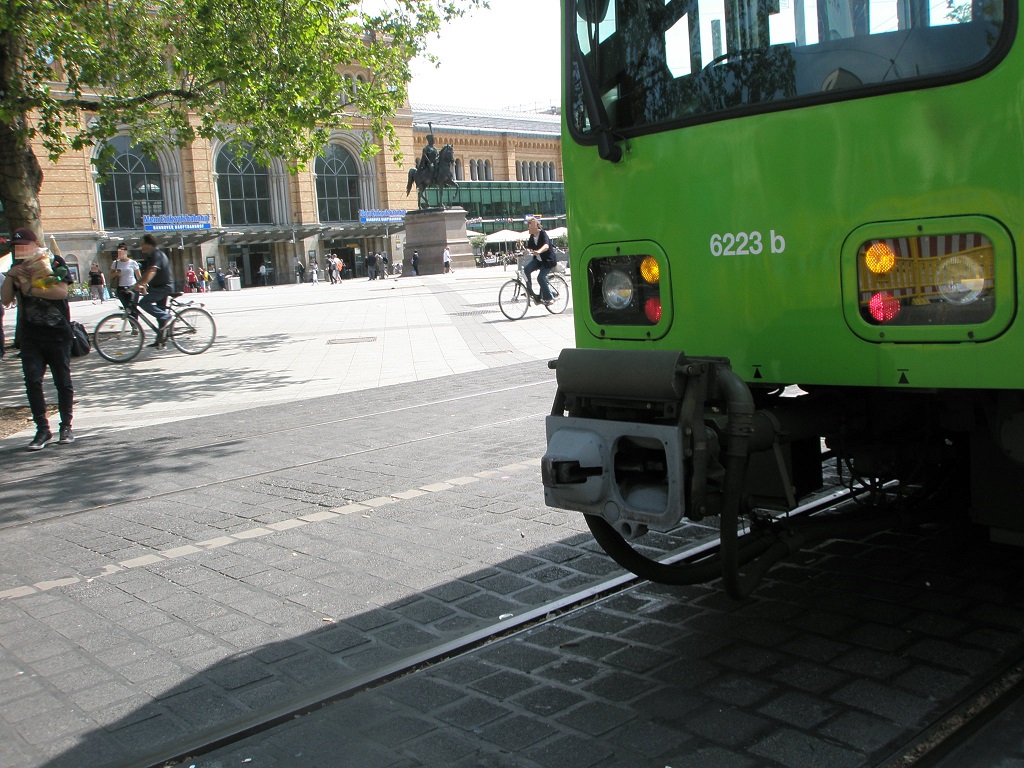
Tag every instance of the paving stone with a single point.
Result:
(570, 751)
(515, 733)
(472, 713)
(799, 750)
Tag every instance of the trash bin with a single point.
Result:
(233, 283)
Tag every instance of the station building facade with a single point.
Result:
(212, 204)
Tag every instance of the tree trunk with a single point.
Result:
(21, 177)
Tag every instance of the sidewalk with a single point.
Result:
(291, 342)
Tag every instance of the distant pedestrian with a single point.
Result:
(371, 265)
(382, 260)
(97, 283)
(191, 280)
(221, 279)
(263, 275)
(446, 257)
(314, 272)
(127, 273)
(300, 270)
(204, 280)
(415, 262)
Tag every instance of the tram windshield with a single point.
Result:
(638, 64)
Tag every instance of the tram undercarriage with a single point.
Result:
(638, 441)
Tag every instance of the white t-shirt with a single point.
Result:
(127, 270)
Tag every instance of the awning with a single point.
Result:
(357, 231)
(269, 234)
(185, 238)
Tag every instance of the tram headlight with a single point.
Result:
(626, 290)
(927, 280)
(960, 279)
(618, 289)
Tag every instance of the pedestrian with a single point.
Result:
(263, 275)
(127, 272)
(97, 283)
(382, 259)
(204, 280)
(221, 279)
(446, 257)
(415, 262)
(45, 320)
(300, 271)
(314, 272)
(371, 265)
(191, 280)
(156, 286)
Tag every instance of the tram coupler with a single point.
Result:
(643, 439)
(634, 448)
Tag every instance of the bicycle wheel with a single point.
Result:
(513, 300)
(118, 338)
(193, 330)
(559, 294)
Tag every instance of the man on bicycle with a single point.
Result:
(539, 244)
(156, 286)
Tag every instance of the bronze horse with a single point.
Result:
(441, 175)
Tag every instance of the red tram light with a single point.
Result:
(652, 309)
(883, 306)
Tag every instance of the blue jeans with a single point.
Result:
(542, 277)
(155, 303)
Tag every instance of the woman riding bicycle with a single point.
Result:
(539, 244)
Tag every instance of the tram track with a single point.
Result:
(538, 617)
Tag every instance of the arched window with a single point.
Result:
(551, 172)
(458, 170)
(472, 170)
(488, 171)
(132, 189)
(337, 185)
(243, 187)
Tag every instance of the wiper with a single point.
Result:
(607, 149)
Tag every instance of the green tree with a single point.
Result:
(266, 72)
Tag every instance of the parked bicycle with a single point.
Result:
(515, 296)
(120, 337)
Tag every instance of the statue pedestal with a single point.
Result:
(428, 232)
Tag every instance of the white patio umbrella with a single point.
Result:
(557, 232)
(506, 236)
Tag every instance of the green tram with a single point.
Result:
(794, 227)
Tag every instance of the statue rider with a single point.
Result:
(428, 160)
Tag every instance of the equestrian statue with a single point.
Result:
(434, 169)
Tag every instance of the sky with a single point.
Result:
(504, 56)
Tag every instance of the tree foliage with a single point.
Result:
(266, 72)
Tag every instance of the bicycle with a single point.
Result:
(119, 337)
(515, 296)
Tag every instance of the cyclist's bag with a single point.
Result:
(80, 345)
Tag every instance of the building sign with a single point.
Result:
(174, 223)
(373, 216)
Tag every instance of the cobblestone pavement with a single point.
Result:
(236, 533)
(839, 658)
